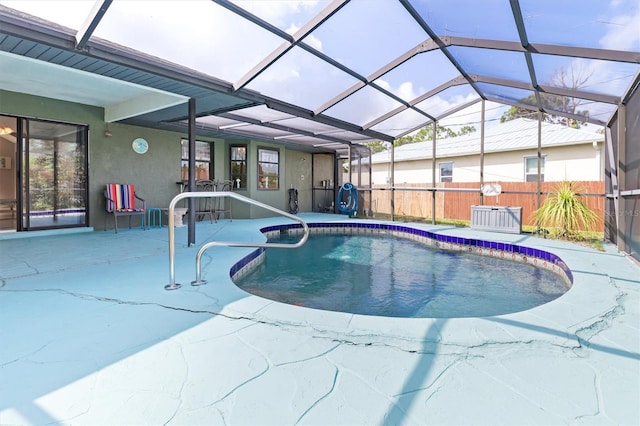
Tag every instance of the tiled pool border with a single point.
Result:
(515, 252)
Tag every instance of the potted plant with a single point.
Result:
(565, 210)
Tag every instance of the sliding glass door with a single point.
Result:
(8, 176)
(53, 176)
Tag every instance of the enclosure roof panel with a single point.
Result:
(514, 135)
(339, 71)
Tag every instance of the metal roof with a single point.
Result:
(321, 75)
(514, 135)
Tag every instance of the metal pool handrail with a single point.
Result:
(172, 266)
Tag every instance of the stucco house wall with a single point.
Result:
(156, 173)
(576, 162)
(569, 154)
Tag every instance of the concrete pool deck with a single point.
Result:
(89, 336)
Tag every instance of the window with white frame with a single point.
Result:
(446, 172)
(268, 168)
(531, 169)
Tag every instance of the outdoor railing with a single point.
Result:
(198, 281)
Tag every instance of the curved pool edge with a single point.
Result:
(555, 321)
(508, 251)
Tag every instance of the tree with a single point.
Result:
(465, 130)
(515, 112)
(422, 135)
(376, 146)
(572, 77)
(426, 134)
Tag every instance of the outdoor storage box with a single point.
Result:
(497, 218)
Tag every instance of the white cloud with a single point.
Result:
(314, 42)
(624, 31)
(406, 91)
(280, 12)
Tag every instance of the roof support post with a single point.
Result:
(370, 183)
(337, 180)
(56, 171)
(539, 197)
(621, 166)
(482, 112)
(349, 163)
(433, 174)
(191, 238)
(359, 182)
(614, 177)
(391, 179)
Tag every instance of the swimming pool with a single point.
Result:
(399, 271)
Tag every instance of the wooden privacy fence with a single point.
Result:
(457, 205)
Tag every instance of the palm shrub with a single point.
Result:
(565, 210)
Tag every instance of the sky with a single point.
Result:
(365, 35)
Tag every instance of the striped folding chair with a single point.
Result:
(121, 201)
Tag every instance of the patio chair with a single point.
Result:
(204, 206)
(121, 201)
(222, 205)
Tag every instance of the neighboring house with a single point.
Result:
(510, 155)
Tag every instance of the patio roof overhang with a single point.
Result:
(319, 79)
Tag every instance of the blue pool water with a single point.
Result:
(396, 277)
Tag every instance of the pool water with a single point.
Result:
(396, 277)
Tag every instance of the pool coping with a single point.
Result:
(515, 252)
(570, 312)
